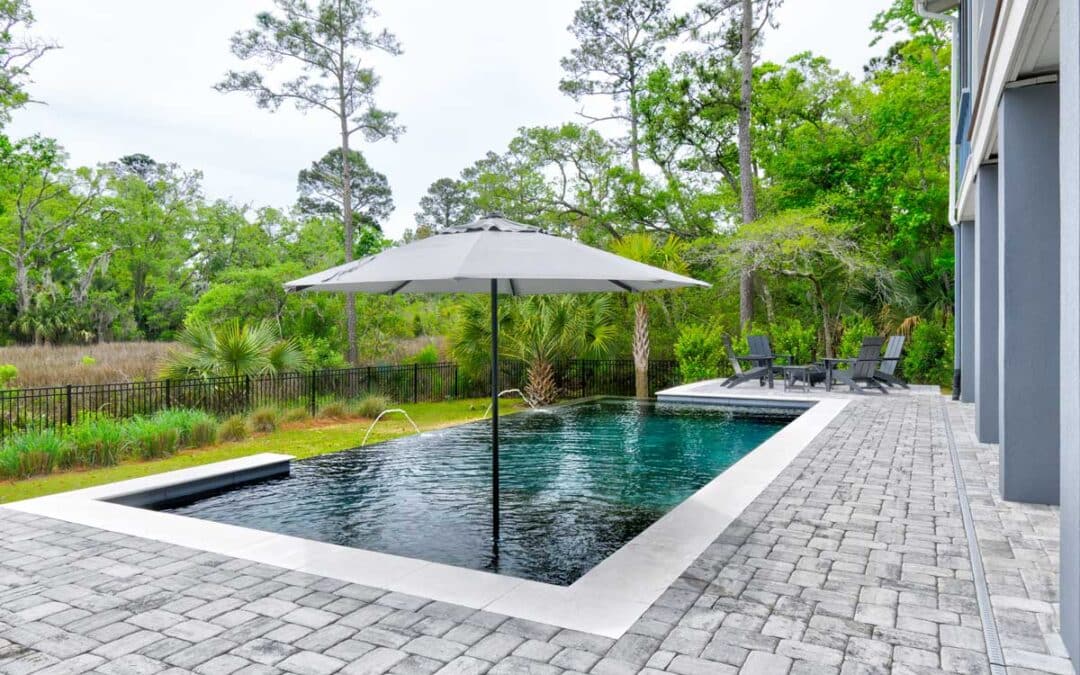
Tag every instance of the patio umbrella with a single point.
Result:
(496, 256)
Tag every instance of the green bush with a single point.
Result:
(334, 410)
(321, 353)
(698, 351)
(295, 414)
(854, 328)
(928, 355)
(152, 438)
(96, 442)
(233, 429)
(32, 453)
(371, 405)
(264, 420)
(428, 355)
(184, 421)
(203, 433)
(793, 338)
(8, 373)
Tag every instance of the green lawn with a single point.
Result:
(304, 439)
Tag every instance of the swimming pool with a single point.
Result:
(578, 483)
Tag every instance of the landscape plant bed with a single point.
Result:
(301, 439)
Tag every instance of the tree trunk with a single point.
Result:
(641, 350)
(22, 285)
(826, 328)
(540, 384)
(634, 156)
(770, 310)
(347, 223)
(746, 163)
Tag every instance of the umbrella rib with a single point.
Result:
(400, 286)
(626, 287)
(513, 287)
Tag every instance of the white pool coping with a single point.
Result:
(606, 600)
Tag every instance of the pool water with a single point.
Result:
(577, 483)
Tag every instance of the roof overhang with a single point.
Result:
(1023, 49)
(940, 5)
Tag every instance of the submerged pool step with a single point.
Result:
(190, 488)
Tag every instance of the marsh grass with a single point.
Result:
(49, 366)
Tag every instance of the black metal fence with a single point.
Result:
(56, 407)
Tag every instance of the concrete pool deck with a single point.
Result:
(854, 557)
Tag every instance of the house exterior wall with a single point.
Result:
(1069, 143)
(966, 310)
(1029, 280)
(985, 290)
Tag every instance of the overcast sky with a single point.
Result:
(137, 76)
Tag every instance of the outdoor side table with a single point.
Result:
(829, 365)
(803, 372)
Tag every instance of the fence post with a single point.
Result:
(247, 392)
(369, 373)
(311, 403)
(68, 389)
(415, 382)
(455, 380)
(168, 393)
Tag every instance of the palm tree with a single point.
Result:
(645, 248)
(539, 331)
(235, 349)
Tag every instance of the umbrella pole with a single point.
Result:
(495, 415)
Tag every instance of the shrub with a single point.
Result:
(151, 438)
(264, 420)
(427, 356)
(96, 442)
(321, 353)
(32, 453)
(792, 337)
(334, 410)
(203, 433)
(295, 414)
(184, 421)
(371, 405)
(8, 373)
(233, 429)
(698, 352)
(928, 354)
(854, 328)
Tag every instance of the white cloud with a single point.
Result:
(137, 76)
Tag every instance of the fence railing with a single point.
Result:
(56, 407)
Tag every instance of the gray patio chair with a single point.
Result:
(864, 367)
(887, 371)
(759, 345)
(754, 372)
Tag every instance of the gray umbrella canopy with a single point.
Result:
(522, 259)
(497, 256)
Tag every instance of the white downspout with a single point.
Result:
(921, 10)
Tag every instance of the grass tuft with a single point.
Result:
(371, 405)
(334, 410)
(96, 442)
(232, 429)
(150, 438)
(264, 420)
(32, 453)
(295, 414)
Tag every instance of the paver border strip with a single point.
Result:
(978, 571)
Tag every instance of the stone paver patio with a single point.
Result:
(854, 560)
